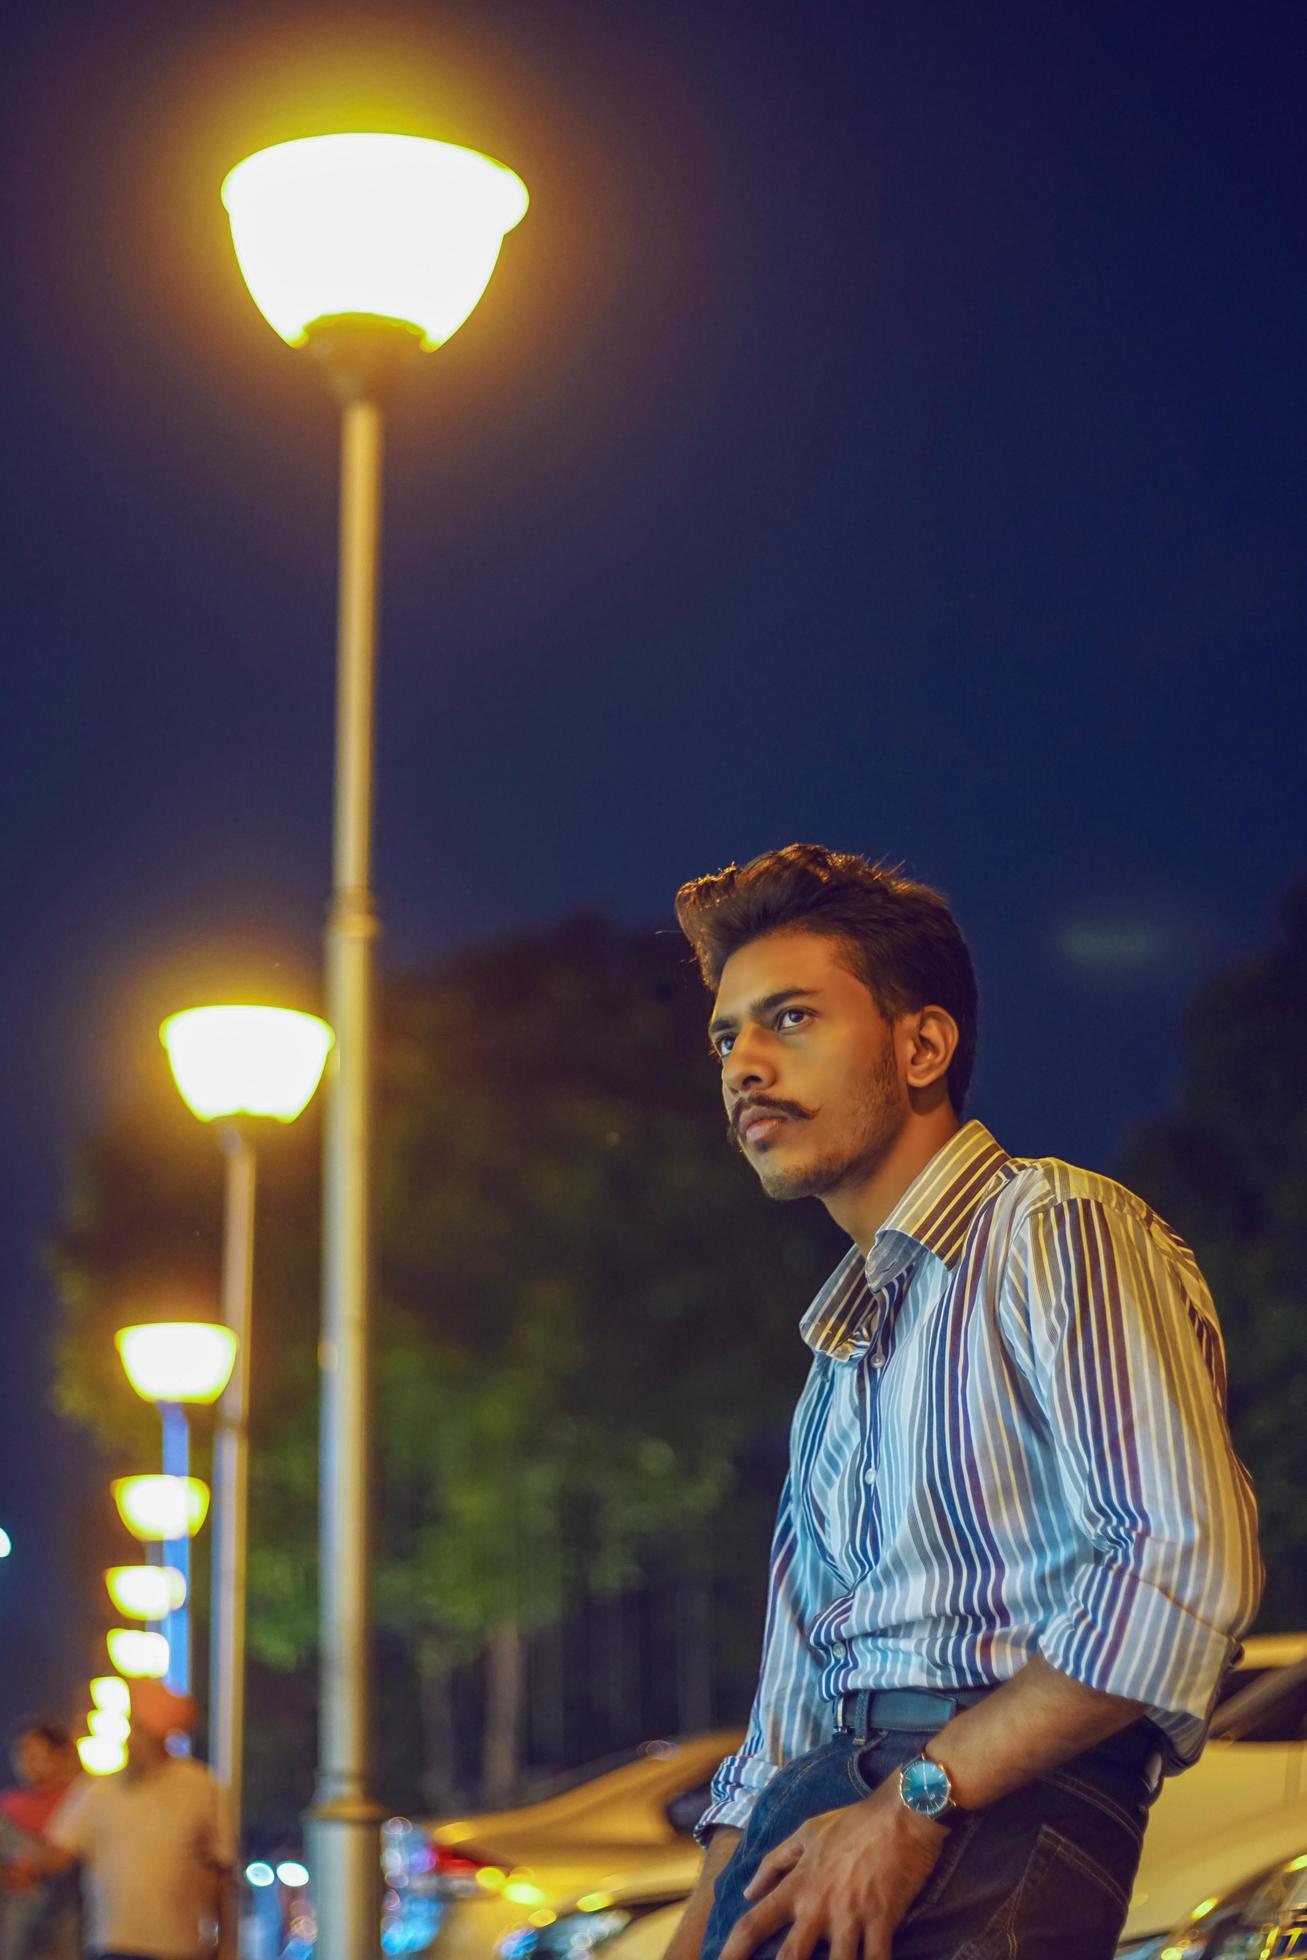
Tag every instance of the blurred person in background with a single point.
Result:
(153, 1843)
(41, 1920)
(1015, 1550)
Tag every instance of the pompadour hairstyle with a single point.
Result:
(899, 938)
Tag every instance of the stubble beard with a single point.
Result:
(875, 1125)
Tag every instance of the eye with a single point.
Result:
(723, 1045)
(783, 1020)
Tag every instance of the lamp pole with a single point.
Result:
(360, 358)
(177, 1551)
(231, 1478)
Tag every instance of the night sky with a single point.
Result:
(884, 429)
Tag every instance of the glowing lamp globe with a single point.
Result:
(114, 1728)
(111, 1694)
(146, 1592)
(177, 1360)
(396, 228)
(246, 1061)
(159, 1509)
(140, 1656)
(99, 1756)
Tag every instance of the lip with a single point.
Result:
(761, 1124)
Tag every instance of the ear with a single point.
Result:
(931, 1039)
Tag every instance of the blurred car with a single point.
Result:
(1265, 1918)
(491, 1871)
(1212, 1830)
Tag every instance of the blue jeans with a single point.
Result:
(1042, 1874)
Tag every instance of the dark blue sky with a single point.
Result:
(885, 429)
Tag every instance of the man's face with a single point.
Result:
(810, 1076)
(35, 1761)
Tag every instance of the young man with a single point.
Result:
(1015, 1549)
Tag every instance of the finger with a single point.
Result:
(774, 1866)
(757, 1926)
(801, 1938)
(875, 1940)
(845, 1936)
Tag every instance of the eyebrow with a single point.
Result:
(767, 1005)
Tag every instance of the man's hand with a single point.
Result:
(688, 1937)
(847, 1877)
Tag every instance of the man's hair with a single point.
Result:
(899, 938)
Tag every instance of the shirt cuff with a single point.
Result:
(1123, 1636)
(736, 1787)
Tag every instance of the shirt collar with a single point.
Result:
(934, 1215)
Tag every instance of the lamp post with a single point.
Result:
(230, 1064)
(365, 249)
(173, 1363)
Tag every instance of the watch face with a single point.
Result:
(925, 1786)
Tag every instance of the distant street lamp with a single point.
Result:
(232, 1064)
(138, 1656)
(111, 1695)
(172, 1363)
(146, 1592)
(99, 1756)
(160, 1510)
(365, 249)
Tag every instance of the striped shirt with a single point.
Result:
(1012, 1441)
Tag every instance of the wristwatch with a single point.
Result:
(925, 1788)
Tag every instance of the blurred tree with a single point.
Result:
(1229, 1171)
(586, 1313)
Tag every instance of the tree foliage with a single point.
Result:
(1229, 1171)
(586, 1310)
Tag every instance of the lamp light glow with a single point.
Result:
(6, 1543)
(177, 1360)
(111, 1728)
(158, 1509)
(394, 227)
(291, 1872)
(146, 1592)
(99, 1756)
(111, 1694)
(140, 1656)
(253, 1061)
(260, 1874)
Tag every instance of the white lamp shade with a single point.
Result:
(113, 1728)
(178, 1360)
(146, 1592)
(110, 1693)
(140, 1656)
(253, 1061)
(159, 1509)
(99, 1756)
(397, 227)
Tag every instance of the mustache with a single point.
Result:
(763, 1106)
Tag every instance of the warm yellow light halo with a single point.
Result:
(396, 227)
(99, 1756)
(160, 1509)
(111, 1694)
(140, 1656)
(177, 1360)
(253, 1061)
(110, 1727)
(145, 1592)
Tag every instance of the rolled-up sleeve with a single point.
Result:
(1126, 1360)
(789, 1714)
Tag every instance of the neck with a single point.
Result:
(861, 1206)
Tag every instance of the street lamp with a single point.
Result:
(230, 1064)
(172, 1363)
(365, 249)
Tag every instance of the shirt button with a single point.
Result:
(869, 1476)
(839, 1650)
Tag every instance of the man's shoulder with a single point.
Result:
(1038, 1188)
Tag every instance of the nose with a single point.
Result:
(749, 1065)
